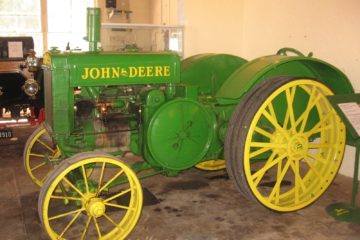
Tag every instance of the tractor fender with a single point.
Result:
(261, 69)
(209, 71)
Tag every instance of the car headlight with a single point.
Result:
(31, 87)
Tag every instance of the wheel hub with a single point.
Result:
(57, 153)
(95, 207)
(298, 146)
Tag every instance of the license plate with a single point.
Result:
(6, 133)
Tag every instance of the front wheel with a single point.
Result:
(285, 144)
(39, 152)
(105, 204)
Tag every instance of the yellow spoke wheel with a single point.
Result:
(285, 144)
(95, 206)
(39, 150)
(211, 165)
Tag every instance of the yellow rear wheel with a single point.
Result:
(103, 205)
(38, 152)
(287, 144)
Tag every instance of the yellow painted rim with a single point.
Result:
(93, 205)
(290, 150)
(211, 165)
(31, 156)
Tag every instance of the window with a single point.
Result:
(22, 18)
(67, 23)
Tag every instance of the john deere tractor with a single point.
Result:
(265, 120)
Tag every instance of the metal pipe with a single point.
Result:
(93, 28)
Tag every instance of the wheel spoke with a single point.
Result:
(264, 133)
(110, 220)
(111, 180)
(97, 228)
(258, 152)
(86, 228)
(278, 173)
(279, 180)
(274, 123)
(320, 145)
(303, 118)
(85, 178)
(66, 214)
(319, 129)
(290, 94)
(320, 123)
(101, 178)
(259, 176)
(118, 195)
(73, 187)
(65, 198)
(45, 145)
(37, 155)
(317, 157)
(38, 166)
(69, 225)
(267, 166)
(272, 112)
(299, 183)
(312, 167)
(268, 145)
(117, 206)
(264, 147)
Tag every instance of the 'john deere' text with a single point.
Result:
(127, 72)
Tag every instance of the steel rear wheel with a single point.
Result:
(38, 152)
(287, 144)
(103, 205)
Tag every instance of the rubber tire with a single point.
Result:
(231, 134)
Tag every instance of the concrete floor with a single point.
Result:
(196, 205)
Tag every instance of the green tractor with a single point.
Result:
(265, 120)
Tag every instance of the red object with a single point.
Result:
(9, 122)
(41, 116)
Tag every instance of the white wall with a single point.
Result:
(212, 26)
(329, 28)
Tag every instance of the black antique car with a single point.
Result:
(21, 76)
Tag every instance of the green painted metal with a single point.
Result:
(107, 68)
(209, 71)
(179, 134)
(93, 27)
(90, 71)
(228, 83)
(261, 69)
